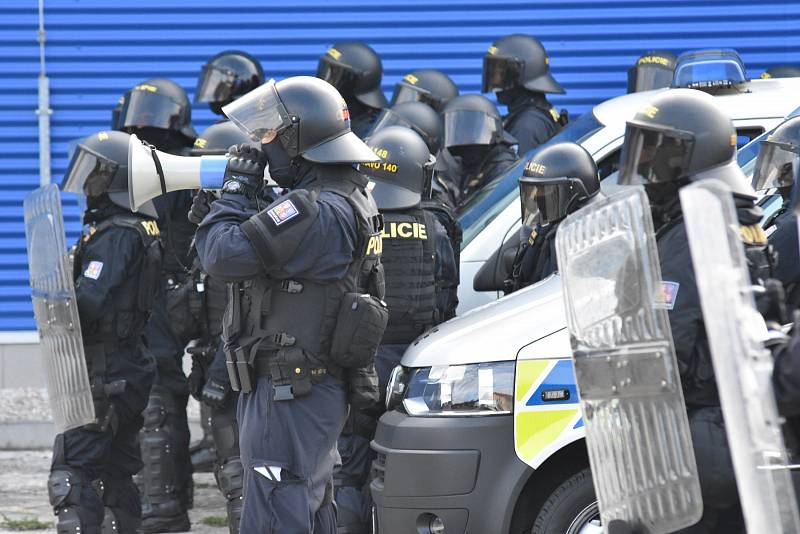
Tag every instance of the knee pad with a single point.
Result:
(230, 478)
(226, 435)
(64, 488)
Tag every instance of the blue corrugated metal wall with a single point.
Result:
(96, 49)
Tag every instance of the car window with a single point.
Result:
(494, 197)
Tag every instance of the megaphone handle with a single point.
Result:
(167, 210)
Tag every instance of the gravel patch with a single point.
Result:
(24, 404)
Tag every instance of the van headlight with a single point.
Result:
(460, 390)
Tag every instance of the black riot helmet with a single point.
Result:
(680, 136)
(403, 175)
(778, 162)
(99, 166)
(471, 120)
(432, 87)
(516, 61)
(355, 70)
(218, 138)
(157, 104)
(652, 70)
(557, 181)
(226, 77)
(307, 115)
(781, 71)
(415, 115)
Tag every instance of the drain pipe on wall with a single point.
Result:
(43, 110)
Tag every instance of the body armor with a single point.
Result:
(408, 253)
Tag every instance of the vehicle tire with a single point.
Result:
(571, 508)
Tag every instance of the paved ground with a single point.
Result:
(23, 493)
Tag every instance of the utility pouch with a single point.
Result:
(360, 325)
(362, 387)
(181, 299)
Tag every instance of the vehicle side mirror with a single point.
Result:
(497, 269)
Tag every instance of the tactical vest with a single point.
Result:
(267, 314)
(132, 301)
(408, 258)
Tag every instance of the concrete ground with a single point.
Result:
(23, 494)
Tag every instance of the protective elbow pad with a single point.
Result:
(276, 231)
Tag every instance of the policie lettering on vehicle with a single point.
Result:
(313, 253)
(158, 112)
(356, 71)
(227, 76)
(680, 138)
(117, 262)
(517, 69)
(428, 86)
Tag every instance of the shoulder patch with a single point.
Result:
(669, 294)
(93, 270)
(285, 211)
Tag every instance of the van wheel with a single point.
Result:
(571, 508)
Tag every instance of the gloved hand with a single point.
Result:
(215, 394)
(201, 205)
(196, 377)
(245, 171)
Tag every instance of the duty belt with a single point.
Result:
(288, 381)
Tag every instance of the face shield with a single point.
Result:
(387, 118)
(89, 173)
(546, 202)
(649, 77)
(501, 73)
(342, 77)
(405, 92)
(147, 109)
(214, 85)
(654, 156)
(260, 113)
(464, 127)
(776, 166)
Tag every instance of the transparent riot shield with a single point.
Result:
(637, 432)
(743, 367)
(54, 304)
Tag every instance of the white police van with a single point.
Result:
(483, 431)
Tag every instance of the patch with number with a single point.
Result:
(93, 270)
(285, 211)
(669, 294)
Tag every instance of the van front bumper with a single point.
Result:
(462, 470)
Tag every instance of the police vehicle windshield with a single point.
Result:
(480, 210)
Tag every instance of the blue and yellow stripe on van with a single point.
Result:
(547, 412)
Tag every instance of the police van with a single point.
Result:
(484, 431)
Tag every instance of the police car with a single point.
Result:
(493, 216)
(484, 431)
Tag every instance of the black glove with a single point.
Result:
(201, 205)
(215, 394)
(196, 378)
(244, 173)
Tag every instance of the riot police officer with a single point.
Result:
(356, 71)
(227, 76)
(681, 137)
(429, 86)
(117, 263)
(777, 166)
(309, 307)
(419, 264)
(476, 148)
(517, 68)
(653, 70)
(559, 180)
(158, 112)
(414, 115)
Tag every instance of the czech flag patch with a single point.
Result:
(283, 212)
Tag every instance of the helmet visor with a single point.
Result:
(214, 85)
(776, 166)
(652, 156)
(405, 92)
(342, 77)
(649, 77)
(546, 202)
(500, 73)
(147, 109)
(387, 118)
(89, 173)
(260, 113)
(464, 127)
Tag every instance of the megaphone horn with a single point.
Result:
(180, 172)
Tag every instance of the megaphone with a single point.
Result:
(180, 172)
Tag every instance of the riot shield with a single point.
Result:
(637, 431)
(743, 367)
(55, 307)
